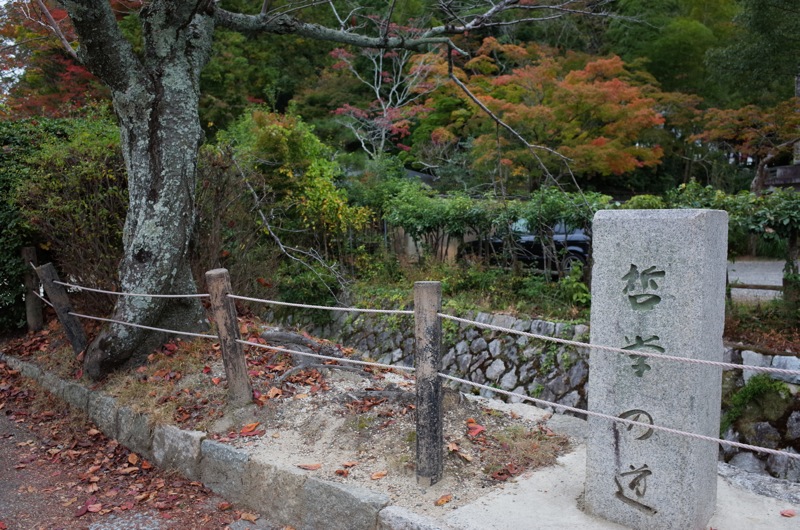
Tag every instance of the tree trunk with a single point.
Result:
(155, 98)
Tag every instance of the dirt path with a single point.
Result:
(57, 472)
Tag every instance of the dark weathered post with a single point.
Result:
(223, 309)
(33, 306)
(60, 300)
(427, 361)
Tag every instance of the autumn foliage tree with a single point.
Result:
(152, 68)
(763, 134)
(587, 116)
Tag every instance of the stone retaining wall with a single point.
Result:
(511, 362)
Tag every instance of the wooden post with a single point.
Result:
(427, 361)
(223, 309)
(60, 300)
(33, 306)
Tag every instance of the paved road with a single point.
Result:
(755, 272)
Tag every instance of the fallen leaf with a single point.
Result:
(444, 499)
(309, 467)
(224, 506)
(92, 432)
(249, 517)
(473, 429)
(452, 447)
(465, 456)
(133, 459)
(250, 427)
(3, 526)
(146, 465)
(788, 513)
(216, 380)
(66, 503)
(94, 508)
(378, 475)
(128, 470)
(274, 392)
(301, 396)
(342, 472)
(350, 464)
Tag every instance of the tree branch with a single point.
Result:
(54, 27)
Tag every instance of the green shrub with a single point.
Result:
(19, 140)
(75, 200)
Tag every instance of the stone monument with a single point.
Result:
(658, 285)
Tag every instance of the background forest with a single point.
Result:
(315, 155)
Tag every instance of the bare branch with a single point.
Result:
(288, 251)
(56, 29)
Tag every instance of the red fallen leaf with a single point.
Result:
(788, 513)
(146, 465)
(342, 472)
(94, 508)
(170, 347)
(309, 467)
(3, 526)
(250, 427)
(224, 506)
(216, 380)
(83, 510)
(206, 369)
(260, 432)
(473, 429)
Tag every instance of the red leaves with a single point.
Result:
(364, 405)
(309, 467)
(788, 513)
(473, 429)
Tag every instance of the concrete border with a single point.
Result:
(287, 495)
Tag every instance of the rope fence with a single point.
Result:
(150, 328)
(638, 353)
(117, 293)
(324, 307)
(327, 357)
(42, 298)
(223, 308)
(626, 421)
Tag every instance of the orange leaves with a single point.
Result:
(378, 475)
(250, 430)
(444, 499)
(309, 467)
(788, 513)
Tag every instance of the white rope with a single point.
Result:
(623, 420)
(172, 331)
(329, 308)
(81, 288)
(327, 357)
(623, 351)
(43, 299)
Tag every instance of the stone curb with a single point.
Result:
(288, 495)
